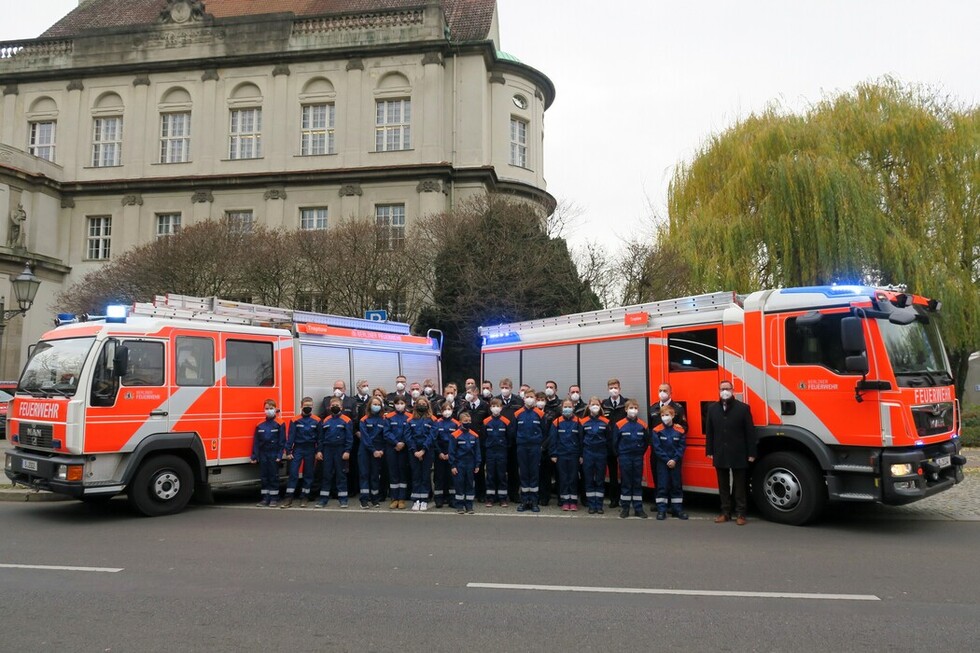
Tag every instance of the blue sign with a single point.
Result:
(376, 316)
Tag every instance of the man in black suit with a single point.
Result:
(665, 398)
(613, 409)
(730, 444)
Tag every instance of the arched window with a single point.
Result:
(175, 126)
(318, 117)
(42, 123)
(393, 113)
(245, 122)
(107, 131)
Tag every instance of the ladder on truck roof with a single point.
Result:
(667, 307)
(215, 309)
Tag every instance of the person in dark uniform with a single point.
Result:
(486, 390)
(731, 446)
(399, 393)
(429, 392)
(267, 448)
(348, 408)
(552, 411)
(614, 410)
(664, 398)
(510, 403)
(479, 410)
(580, 406)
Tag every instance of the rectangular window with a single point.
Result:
(195, 361)
(145, 365)
(107, 142)
(175, 137)
(317, 130)
(688, 351)
(240, 221)
(250, 364)
(391, 224)
(518, 142)
(42, 140)
(816, 342)
(393, 125)
(312, 302)
(246, 134)
(99, 237)
(167, 224)
(313, 218)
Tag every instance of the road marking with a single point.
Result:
(676, 592)
(104, 570)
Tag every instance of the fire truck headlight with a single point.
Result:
(8, 462)
(902, 469)
(61, 472)
(68, 472)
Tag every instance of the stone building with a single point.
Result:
(128, 119)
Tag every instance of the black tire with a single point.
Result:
(787, 488)
(162, 486)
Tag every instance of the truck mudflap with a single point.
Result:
(908, 475)
(54, 473)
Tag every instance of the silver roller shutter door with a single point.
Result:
(322, 366)
(620, 359)
(419, 367)
(558, 364)
(379, 368)
(502, 364)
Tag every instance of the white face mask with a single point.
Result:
(576, 396)
(495, 410)
(613, 392)
(486, 393)
(667, 420)
(595, 410)
(664, 396)
(270, 412)
(447, 414)
(521, 393)
(364, 390)
(337, 392)
(428, 389)
(725, 395)
(450, 397)
(540, 404)
(470, 396)
(399, 386)
(632, 412)
(528, 401)
(400, 408)
(416, 394)
(505, 392)
(549, 392)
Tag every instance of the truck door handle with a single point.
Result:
(158, 413)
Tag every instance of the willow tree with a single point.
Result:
(880, 185)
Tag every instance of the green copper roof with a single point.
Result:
(506, 56)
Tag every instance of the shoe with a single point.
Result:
(503, 504)
(470, 511)
(600, 510)
(415, 507)
(591, 510)
(375, 504)
(274, 503)
(740, 520)
(661, 515)
(343, 504)
(304, 502)
(721, 519)
(535, 508)
(393, 505)
(320, 504)
(544, 503)
(564, 507)
(489, 504)
(263, 503)
(364, 504)
(573, 507)
(614, 503)
(680, 514)
(460, 511)
(287, 503)
(423, 506)
(640, 513)
(624, 513)
(402, 504)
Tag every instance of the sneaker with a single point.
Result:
(287, 503)
(503, 504)
(375, 504)
(402, 504)
(393, 505)
(470, 511)
(600, 510)
(274, 503)
(521, 507)
(661, 515)
(624, 513)
(343, 504)
(573, 507)
(640, 513)
(304, 502)
(263, 503)
(489, 504)
(320, 504)
(460, 511)
(423, 506)
(535, 508)
(564, 507)
(364, 504)
(415, 507)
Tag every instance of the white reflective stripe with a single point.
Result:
(459, 497)
(176, 405)
(470, 497)
(677, 500)
(342, 495)
(661, 500)
(887, 438)
(533, 489)
(624, 497)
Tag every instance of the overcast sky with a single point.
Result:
(642, 83)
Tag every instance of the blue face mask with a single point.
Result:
(567, 412)
(375, 408)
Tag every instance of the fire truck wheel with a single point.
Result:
(162, 486)
(788, 489)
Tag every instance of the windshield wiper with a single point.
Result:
(55, 389)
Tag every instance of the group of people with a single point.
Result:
(457, 450)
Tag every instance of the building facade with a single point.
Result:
(129, 119)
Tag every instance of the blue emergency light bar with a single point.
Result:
(501, 338)
(116, 313)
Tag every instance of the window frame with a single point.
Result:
(518, 142)
(829, 325)
(315, 219)
(232, 380)
(205, 383)
(394, 234)
(232, 218)
(101, 146)
(34, 147)
(390, 136)
(173, 225)
(238, 138)
(103, 238)
(671, 349)
(309, 131)
(168, 139)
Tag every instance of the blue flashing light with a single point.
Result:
(501, 338)
(832, 291)
(65, 318)
(116, 313)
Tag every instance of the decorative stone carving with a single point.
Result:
(497, 78)
(201, 196)
(210, 75)
(141, 80)
(351, 190)
(355, 64)
(432, 58)
(275, 194)
(17, 232)
(280, 69)
(67, 203)
(136, 199)
(75, 85)
(182, 11)
(537, 94)
(11, 89)
(430, 186)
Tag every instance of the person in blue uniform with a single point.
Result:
(529, 435)
(614, 409)
(596, 444)
(336, 440)
(497, 431)
(396, 453)
(420, 446)
(632, 442)
(464, 461)
(302, 440)
(668, 448)
(565, 449)
(371, 452)
(267, 447)
(442, 431)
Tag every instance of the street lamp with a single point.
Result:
(25, 290)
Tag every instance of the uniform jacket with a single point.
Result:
(337, 431)
(498, 434)
(442, 431)
(348, 406)
(420, 436)
(529, 426)
(510, 405)
(680, 417)
(396, 427)
(730, 435)
(632, 439)
(669, 442)
(479, 414)
(372, 431)
(597, 435)
(614, 413)
(268, 439)
(392, 396)
(303, 432)
(552, 409)
(464, 450)
(581, 408)
(566, 438)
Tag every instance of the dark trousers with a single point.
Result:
(421, 476)
(306, 457)
(444, 482)
(670, 490)
(567, 479)
(529, 464)
(269, 474)
(334, 473)
(496, 468)
(732, 481)
(631, 490)
(398, 472)
(546, 479)
(465, 486)
(369, 475)
(480, 479)
(614, 494)
(594, 471)
(513, 474)
(353, 468)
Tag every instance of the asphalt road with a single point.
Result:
(234, 578)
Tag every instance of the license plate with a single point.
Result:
(31, 465)
(936, 422)
(942, 461)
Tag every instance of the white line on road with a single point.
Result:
(104, 570)
(641, 590)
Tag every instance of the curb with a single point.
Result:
(18, 494)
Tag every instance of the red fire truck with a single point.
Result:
(163, 399)
(849, 386)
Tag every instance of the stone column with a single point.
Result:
(431, 108)
(139, 130)
(73, 121)
(276, 147)
(357, 118)
(208, 139)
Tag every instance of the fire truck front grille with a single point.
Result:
(36, 435)
(933, 419)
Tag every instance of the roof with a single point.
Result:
(468, 20)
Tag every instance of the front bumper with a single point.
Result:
(926, 478)
(40, 471)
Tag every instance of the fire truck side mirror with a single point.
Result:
(857, 364)
(852, 336)
(120, 361)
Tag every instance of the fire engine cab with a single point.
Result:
(162, 400)
(849, 386)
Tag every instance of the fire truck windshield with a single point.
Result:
(916, 352)
(55, 367)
